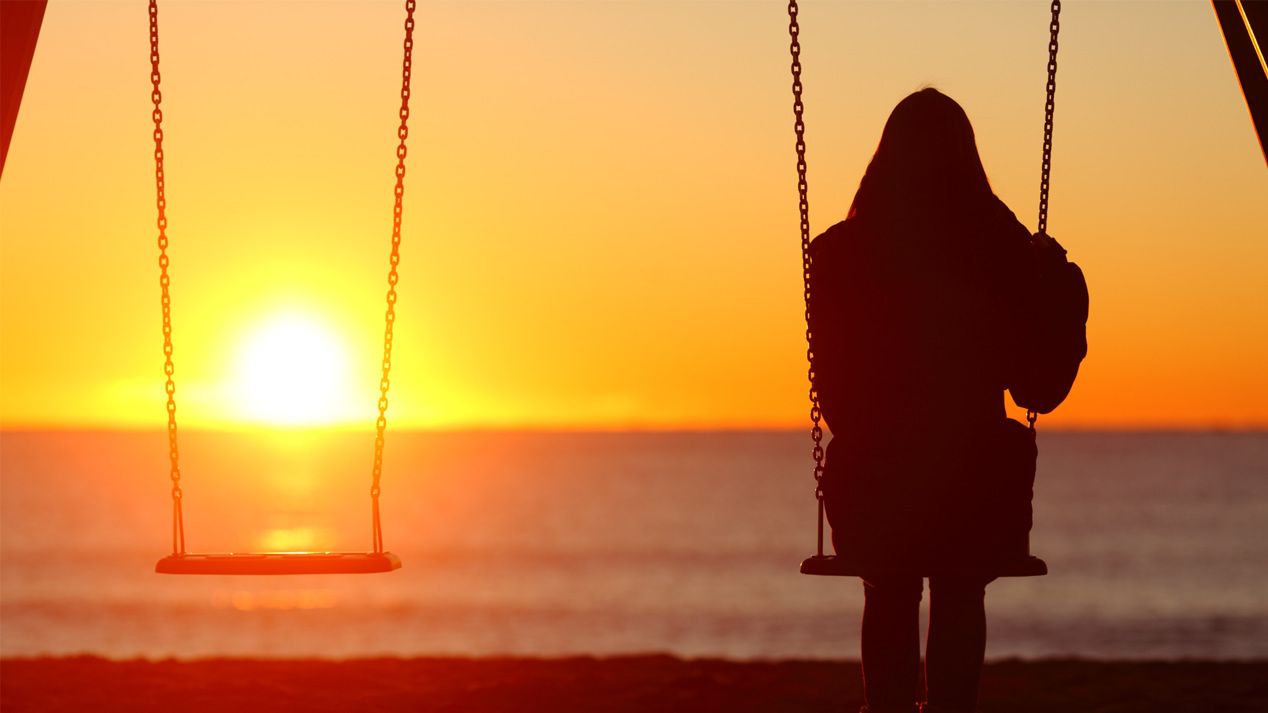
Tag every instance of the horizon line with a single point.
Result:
(1126, 428)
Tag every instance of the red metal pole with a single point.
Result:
(20, 22)
(1245, 28)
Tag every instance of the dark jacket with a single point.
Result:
(917, 332)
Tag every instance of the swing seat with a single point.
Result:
(279, 563)
(832, 566)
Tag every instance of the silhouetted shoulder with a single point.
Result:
(1005, 231)
(844, 238)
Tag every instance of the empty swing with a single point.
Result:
(831, 565)
(377, 560)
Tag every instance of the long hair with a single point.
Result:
(926, 166)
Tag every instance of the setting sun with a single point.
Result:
(291, 369)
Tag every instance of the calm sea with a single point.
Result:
(547, 544)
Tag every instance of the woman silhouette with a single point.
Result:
(916, 311)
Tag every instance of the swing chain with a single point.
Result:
(169, 369)
(394, 260)
(1054, 27)
(803, 204)
(1049, 108)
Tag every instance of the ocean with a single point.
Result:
(543, 544)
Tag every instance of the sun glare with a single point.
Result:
(294, 539)
(292, 370)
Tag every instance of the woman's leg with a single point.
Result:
(957, 641)
(891, 642)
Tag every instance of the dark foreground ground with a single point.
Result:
(642, 684)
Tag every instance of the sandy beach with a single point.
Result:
(641, 684)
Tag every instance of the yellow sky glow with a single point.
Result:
(600, 218)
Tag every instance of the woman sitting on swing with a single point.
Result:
(921, 316)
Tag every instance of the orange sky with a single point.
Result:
(600, 224)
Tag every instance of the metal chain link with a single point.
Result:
(1054, 27)
(1049, 108)
(803, 204)
(394, 260)
(169, 370)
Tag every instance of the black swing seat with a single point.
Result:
(279, 563)
(832, 566)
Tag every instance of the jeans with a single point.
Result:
(891, 641)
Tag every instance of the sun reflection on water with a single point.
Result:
(295, 539)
